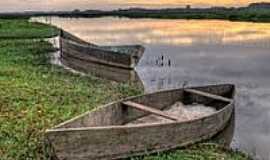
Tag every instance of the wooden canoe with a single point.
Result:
(125, 56)
(105, 133)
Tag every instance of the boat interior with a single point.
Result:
(127, 111)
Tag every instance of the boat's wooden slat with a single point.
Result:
(209, 95)
(150, 110)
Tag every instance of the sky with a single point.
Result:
(45, 5)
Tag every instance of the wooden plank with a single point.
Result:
(150, 110)
(209, 95)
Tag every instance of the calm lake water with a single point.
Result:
(200, 52)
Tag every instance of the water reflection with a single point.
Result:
(201, 53)
(108, 31)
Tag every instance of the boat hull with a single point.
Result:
(126, 56)
(100, 70)
(70, 142)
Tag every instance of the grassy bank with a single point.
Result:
(21, 29)
(35, 95)
(205, 151)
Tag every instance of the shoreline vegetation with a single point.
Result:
(22, 29)
(255, 12)
(36, 95)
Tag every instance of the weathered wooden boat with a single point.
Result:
(109, 132)
(125, 56)
(115, 63)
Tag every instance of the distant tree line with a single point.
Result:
(254, 12)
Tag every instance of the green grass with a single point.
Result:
(206, 151)
(21, 29)
(35, 96)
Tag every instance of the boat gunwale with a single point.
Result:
(145, 125)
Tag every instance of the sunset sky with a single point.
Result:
(24, 5)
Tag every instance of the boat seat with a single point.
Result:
(209, 95)
(150, 110)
